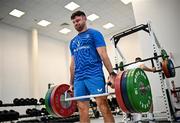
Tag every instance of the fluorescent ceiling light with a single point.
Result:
(92, 17)
(43, 23)
(16, 13)
(126, 1)
(71, 6)
(108, 25)
(65, 30)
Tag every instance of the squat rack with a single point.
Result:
(156, 47)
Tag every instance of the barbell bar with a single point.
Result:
(90, 96)
(171, 68)
(87, 96)
(121, 66)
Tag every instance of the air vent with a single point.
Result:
(64, 24)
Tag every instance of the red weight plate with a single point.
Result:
(165, 69)
(59, 105)
(118, 92)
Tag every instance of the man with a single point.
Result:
(88, 51)
(141, 65)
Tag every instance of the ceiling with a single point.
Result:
(113, 11)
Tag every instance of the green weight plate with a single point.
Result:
(139, 90)
(48, 103)
(164, 54)
(128, 92)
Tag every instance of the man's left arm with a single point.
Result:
(107, 63)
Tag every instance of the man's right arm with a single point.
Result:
(72, 71)
(144, 67)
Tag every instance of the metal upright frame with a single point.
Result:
(156, 46)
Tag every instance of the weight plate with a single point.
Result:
(165, 68)
(118, 92)
(124, 91)
(164, 54)
(59, 105)
(171, 68)
(139, 90)
(48, 103)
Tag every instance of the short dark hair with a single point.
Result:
(138, 59)
(77, 13)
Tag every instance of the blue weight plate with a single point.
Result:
(171, 69)
(124, 92)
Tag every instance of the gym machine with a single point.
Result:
(165, 87)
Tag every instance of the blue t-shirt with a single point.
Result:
(87, 61)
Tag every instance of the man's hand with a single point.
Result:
(153, 69)
(112, 78)
(71, 88)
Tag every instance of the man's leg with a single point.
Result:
(105, 109)
(83, 107)
(83, 104)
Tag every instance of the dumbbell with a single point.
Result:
(33, 101)
(28, 111)
(42, 101)
(16, 101)
(96, 114)
(13, 115)
(1, 102)
(21, 101)
(4, 115)
(27, 101)
(35, 112)
(1, 116)
(44, 111)
(92, 104)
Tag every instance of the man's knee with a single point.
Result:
(102, 104)
(83, 105)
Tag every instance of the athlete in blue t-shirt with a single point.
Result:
(88, 51)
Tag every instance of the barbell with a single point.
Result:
(167, 64)
(132, 90)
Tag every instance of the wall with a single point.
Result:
(129, 47)
(53, 63)
(15, 63)
(165, 18)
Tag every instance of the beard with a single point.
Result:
(80, 27)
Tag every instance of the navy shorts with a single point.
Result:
(89, 87)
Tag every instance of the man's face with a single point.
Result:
(79, 23)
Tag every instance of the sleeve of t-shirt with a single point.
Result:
(99, 39)
(71, 50)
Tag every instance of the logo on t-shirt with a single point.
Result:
(99, 90)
